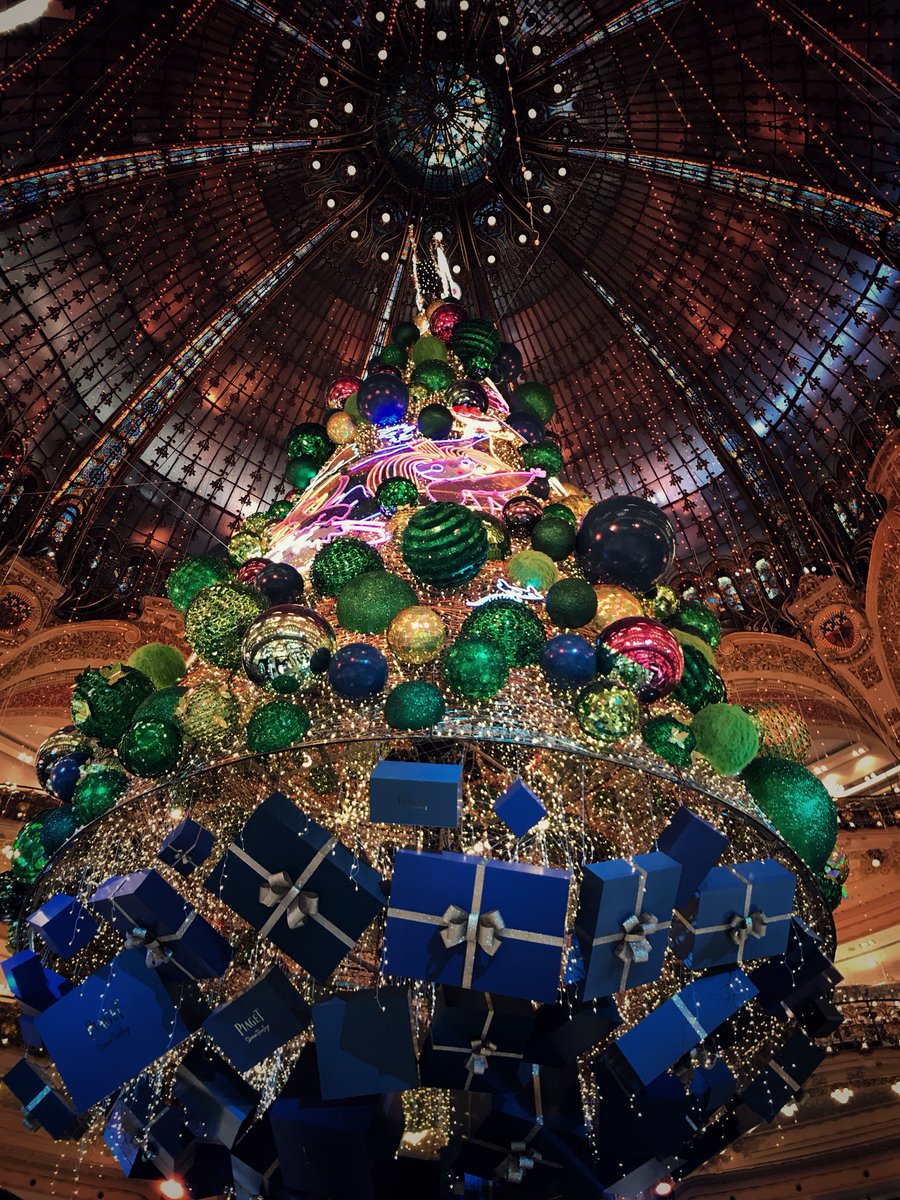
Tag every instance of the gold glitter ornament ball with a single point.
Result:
(662, 604)
(782, 732)
(417, 635)
(341, 428)
(614, 604)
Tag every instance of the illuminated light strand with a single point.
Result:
(633, 16)
(152, 402)
(872, 225)
(265, 14)
(20, 194)
(382, 329)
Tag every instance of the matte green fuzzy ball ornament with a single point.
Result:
(536, 399)
(727, 737)
(368, 603)
(217, 620)
(150, 748)
(192, 575)
(163, 665)
(276, 726)
(553, 537)
(475, 668)
(428, 348)
(511, 625)
(104, 701)
(571, 603)
(414, 705)
(444, 544)
(798, 805)
(340, 561)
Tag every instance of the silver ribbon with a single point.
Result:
(300, 906)
(483, 929)
(634, 944)
(519, 1157)
(35, 1100)
(155, 944)
(519, 1160)
(477, 1062)
(742, 926)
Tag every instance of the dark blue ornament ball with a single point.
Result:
(383, 399)
(280, 583)
(467, 394)
(358, 671)
(65, 773)
(539, 487)
(569, 660)
(508, 363)
(626, 541)
(527, 426)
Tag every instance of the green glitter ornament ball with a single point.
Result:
(571, 603)
(280, 509)
(553, 537)
(727, 737)
(434, 374)
(798, 805)
(414, 705)
(340, 561)
(561, 512)
(607, 710)
(537, 400)
(161, 705)
(98, 789)
(217, 620)
(192, 575)
(406, 334)
(435, 421)
(426, 348)
(276, 725)
(244, 545)
(104, 701)
(309, 440)
(208, 714)
(368, 603)
(499, 542)
(396, 493)
(151, 748)
(300, 472)
(58, 827)
(531, 568)
(701, 683)
(693, 617)
(476, 343)
(163, 665)
(444, 544)
(670, 739)
(475, 668)
(28, 854)
(257, 522)
(393, 355)
(511, 625)
(542, 456)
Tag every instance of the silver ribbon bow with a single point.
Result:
(741, 927)
(634, 945)
(299, 907)
(143, 939)
(518, 1161)
(472, 928)
(478, 1059)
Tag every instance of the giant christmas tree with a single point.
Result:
(443, 859)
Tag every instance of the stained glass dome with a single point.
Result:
(441, 128)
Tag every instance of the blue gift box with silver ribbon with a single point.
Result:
(493, 926)
(803, 972)
(119, 1021)
(152, 916)
(42, 1105)
(476, 1041)
(739, 913)
(186, 847)
(784, 1076)
(676, 1026)
(298, 886)
(218, 1102)
(623, 919)
(63, 924)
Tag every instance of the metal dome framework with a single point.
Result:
(690, 229)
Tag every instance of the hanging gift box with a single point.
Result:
(519, 808)
(219, 1104)
(459, 919)
(252, 1026)
(696, 845)
(415, 793)
(739, 913)
(783, 1077)
(298, 886)
(804, 971)
(818, 1017)
(152, 916)
(564, 1031)
(186, 847)
(365, 1043)
(255, 1169)
(676, 1026)
(623, 919)
(476, 1041)
(64, 925)
(35, 986)
(119, 1021)
(42, 1105)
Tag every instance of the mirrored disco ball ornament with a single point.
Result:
(64, 741)
(649, 645)
(286, 648)
(627, 541)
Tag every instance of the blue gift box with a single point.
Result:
(30, 1036)
(210, 1174)
(64, 925)
(818, 1017)
(495, 926)
(676, 1026)
(365, 1043)
(219, 1104)
(110, 1028)
(739, 913)
(176, 940)
(332, 1147)
(186, 846)
(476, 1041)
(696, 845)
(42, 1105)
(712, 1087)
(519, 808)
(299, 886)
(416, 793)
(126, 1144)
(258, 1021)
(784, 1076)
(255, 1169)
(623, 919)
(564, 1031)
(804, 971)
(35, 986)
(141, 1120)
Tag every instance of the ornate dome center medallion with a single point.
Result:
(441, 128)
